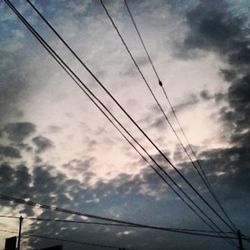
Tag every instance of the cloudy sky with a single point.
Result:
(57, 148)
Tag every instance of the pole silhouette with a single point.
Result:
(20, 232)
(240, 240)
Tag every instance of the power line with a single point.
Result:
(184, 231)
(162, 154)
(213, 236)
(102, 224)
(67, 211)
(195, 234)
(85, 243)
(92, 74)
(8, 231)
(202, 174)
(56, 57)
(68, 221)
(28, 235)
(132, 144)
(137, 225)
(68, 69)
(25, 22)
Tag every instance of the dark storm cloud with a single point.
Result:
(13, 80)
(115, 197)
(126, 196)
(239, 101)
(15, 180)
(213, 27)
(8, 151)
(10, 93)
(19, 131)
(233, 166)
(229, 74)
(42, 143)
(44, 184)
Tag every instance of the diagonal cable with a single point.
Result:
(200, 170)
(67, 69)
(112, 96)
(161, 153)
(72, 212)
(29, 27)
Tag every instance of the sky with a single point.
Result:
(57, 148)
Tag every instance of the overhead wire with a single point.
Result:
(132, 224)
(125, 112)
(32, 32)
(160, 107)
(85, 243)
(158, 166)
(67, 69)
(66, 221)
(207, 235)
(62, 64)
(202, 173)
(101, 223)
(8, 231)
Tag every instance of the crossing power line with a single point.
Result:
(84, 243)
(193, 232)
(74, 74)
(48, 48)
(126, 112)
(160, 107)
(200, 170)
(74, 77)
(102, 224)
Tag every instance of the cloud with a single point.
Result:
(189, 102)
(141, 197)
(15, 181)
(214, 27)
(113, 199)
(44, 183)
(19, 131)
(42, 143)
(79, 168)
(228, 172)
(11, 92)
(8, 151)
(54, 129)
(239, 102)
(125, 196)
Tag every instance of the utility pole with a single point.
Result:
(20, 232)
(240, 240)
